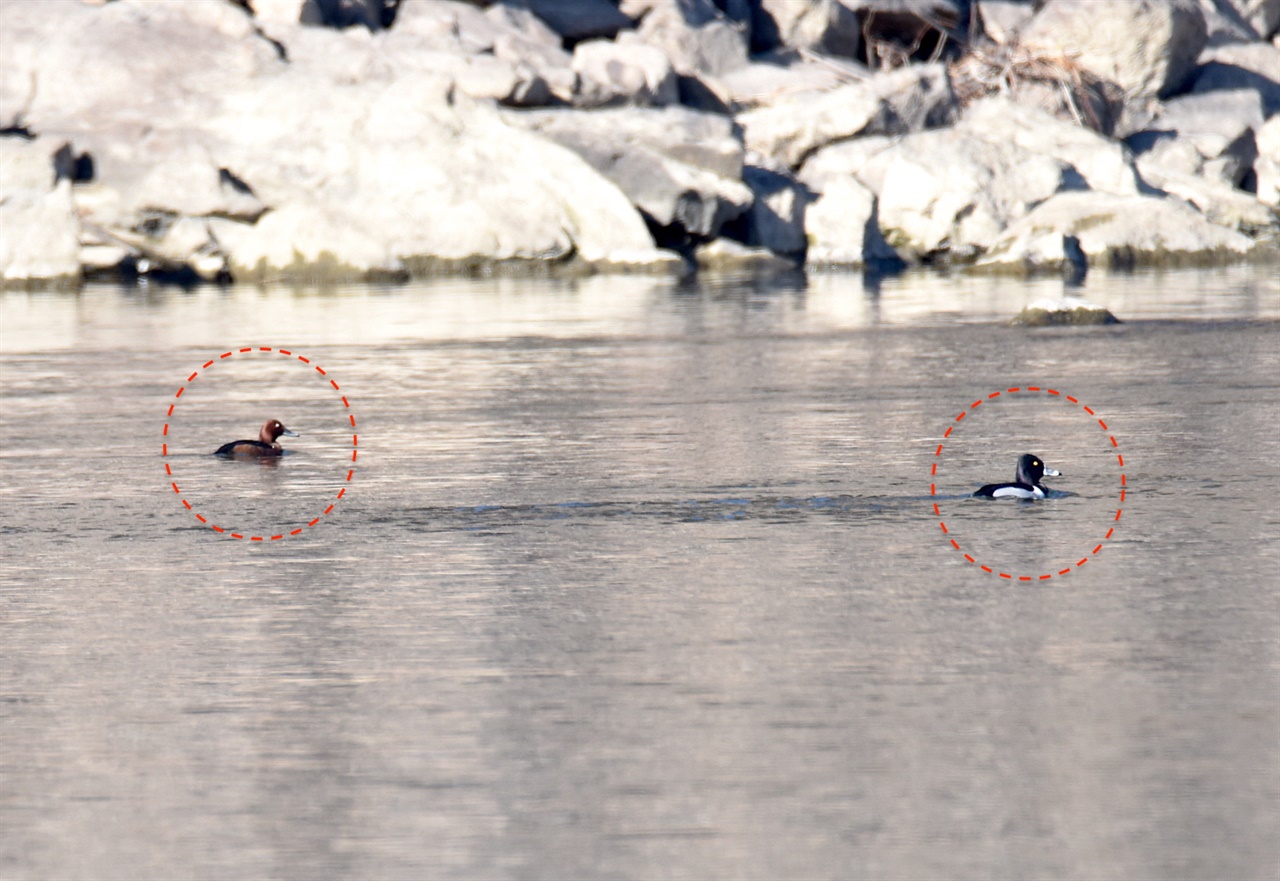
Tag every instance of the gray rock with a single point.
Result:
(1148, 48)
(1207, 133)
(843, 228)
(680, 167)
(763, 83)
(1114, 231)
(578, 20)
(1225, 23)
(1233, 21)
(828, 26)
(695, 37)
(905, 100)
(1002, 19)
(776, 219)
(616, 73)
(1251, 66)
(524, 39)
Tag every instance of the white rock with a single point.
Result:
(41, 240)
(1113, 231)
(1209, 134)
(762, 83)
(1219, 202)
(949, 193)
(39, 227)
(1001, 19)
(726, 254)
(302, 240)
(842, 227)
(1267, 165)
(1149, 48)
(866, 159)
(612, 73)
(695, 37)
(679, 166)
(905, 100)
(1103, 163)
(524, 40)
(447, 25)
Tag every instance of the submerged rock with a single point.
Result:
(1063, 311)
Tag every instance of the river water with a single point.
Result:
(625, 578)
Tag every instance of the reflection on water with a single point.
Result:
(641, 579)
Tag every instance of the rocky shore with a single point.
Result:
(333, 140)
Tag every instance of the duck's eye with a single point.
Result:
(1035, 463)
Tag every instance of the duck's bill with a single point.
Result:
(288, 433)
(1050, 472)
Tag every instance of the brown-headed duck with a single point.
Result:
(265, 445)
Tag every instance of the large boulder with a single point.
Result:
(866, 159)
(682, 168)
(906, 100)
(1242, 66)
(1148, 47)
(1220, 203)
(1112, 231)
(776, 219)
(763, 83)
(623, 72)
(827, 26)
(1208, 133)
(694, 35)
(525, 41)
(433, 179)
(949, 194)
(1103, 163)
(843, 227)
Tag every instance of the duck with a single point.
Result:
(265, 445)
(1026, 481)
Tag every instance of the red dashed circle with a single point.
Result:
(1089, 555)
(173, 483)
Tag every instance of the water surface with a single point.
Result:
(640, 579)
